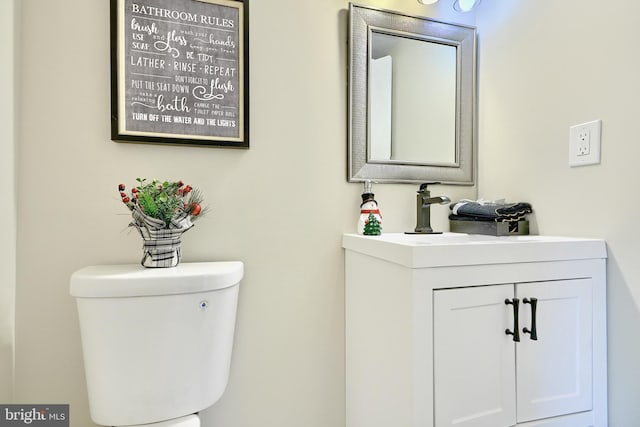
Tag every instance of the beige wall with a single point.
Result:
(281, 206)
(545, 66)
(8, 197)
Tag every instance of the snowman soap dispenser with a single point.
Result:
(370, 222)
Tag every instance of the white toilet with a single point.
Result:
(156, 341)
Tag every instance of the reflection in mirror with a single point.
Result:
(411, 98)
(419, 128)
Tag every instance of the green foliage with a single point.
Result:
(159, 200)
(162, 200)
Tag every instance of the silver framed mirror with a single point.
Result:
(412, 98)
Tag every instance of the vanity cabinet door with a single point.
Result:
(474, 361)
(483, 378)
(554, 372)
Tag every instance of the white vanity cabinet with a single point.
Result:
(430, 336)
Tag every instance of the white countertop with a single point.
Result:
(451, 249)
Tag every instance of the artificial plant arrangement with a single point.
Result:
(162, 211)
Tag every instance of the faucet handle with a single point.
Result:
(423, 186)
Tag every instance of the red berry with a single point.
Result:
(125, 200)
(122, 194)
(180, 183)
(134, 190)
(195, 209)
(121, 187)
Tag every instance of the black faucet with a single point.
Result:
(423, 211)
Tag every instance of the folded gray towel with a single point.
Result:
(483, 211)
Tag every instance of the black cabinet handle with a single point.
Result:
(533, 333)
(516, 329)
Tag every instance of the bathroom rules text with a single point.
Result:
(180, 68)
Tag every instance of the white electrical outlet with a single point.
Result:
(584, 143)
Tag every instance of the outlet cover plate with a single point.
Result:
(584, 143)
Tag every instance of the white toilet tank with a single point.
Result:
(156, 341)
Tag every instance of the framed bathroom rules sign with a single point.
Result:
(179, 72)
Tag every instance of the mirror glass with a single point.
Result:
(399, 68)
(412, 98)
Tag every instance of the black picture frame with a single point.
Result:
(180, 72)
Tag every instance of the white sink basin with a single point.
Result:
(447, 249)
(435, 239)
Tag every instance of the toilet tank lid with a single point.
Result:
(130, 280)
